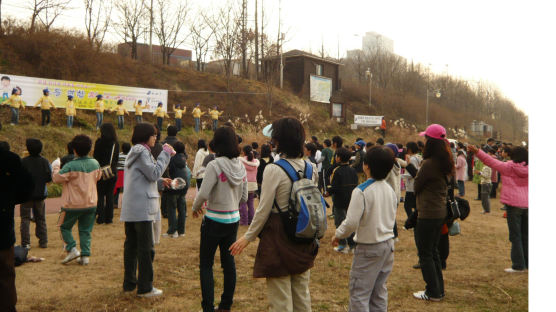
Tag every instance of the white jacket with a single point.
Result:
(198, 172)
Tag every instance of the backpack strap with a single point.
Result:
(288, 169)
(308, 170)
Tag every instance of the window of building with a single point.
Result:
(319, 69)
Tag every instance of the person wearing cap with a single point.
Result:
(99, 108)
(160, 113)
(139, 111)
(214, 114)
(46, 105)
(431, 191)
(197, 113)
(178, 112)
(120, 111)
(358, 162)
(15, 103)
(70, 111)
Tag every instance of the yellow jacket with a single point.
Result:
(159, 112)
(45, 102)
(99, 106)
(214, 114)
(178, 112)
(139, 109)
(70, 108)
(15, 101)
(120, 110)
(197, 113)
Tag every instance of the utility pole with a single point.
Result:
(151, 33)
(256, 41)
(244, 39)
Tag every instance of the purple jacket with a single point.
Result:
(515, 180)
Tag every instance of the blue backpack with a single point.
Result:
(305, 217)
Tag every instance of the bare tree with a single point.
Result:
(97, 21)
(46, 11)
(168, 27)
(243, 39)
(201, 35)
(132, 14)
(225, 25)
(256, 40)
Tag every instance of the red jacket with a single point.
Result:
(515, 180)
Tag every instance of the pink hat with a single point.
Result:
(435, 131)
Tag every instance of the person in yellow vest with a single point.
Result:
(160, 114)
(46, 105)
(15, 103)
(214, 114)
(99, 107)
(178, 114)
(70, 110)
(139, 111)
(120, 111)
(197, 113)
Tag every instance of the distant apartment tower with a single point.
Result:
(374, 41)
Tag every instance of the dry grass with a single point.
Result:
(475, 280)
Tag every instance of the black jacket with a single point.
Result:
(342, 182)
(177, 169)
(103, 151)
(16, 187)
(40, 170)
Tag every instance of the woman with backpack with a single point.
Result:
(106, 153)
(176, 198)
(431, 191)
(284, 263)
(224, 187)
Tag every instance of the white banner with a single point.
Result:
(320, 89)
(84, 93)
(365, 120)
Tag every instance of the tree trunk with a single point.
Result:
(256, 41)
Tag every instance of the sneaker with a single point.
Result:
(153, 293)
(340, 248)
(503, 208)
(175, 235)
(510, 270)
(84, 260)
(43, 245)
(28, 246)
(72, 255)
(417, 266)
(165, 234)
(182, 235)
(422, 296)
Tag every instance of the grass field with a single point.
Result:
(474, 280)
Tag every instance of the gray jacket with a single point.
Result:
(141, 174)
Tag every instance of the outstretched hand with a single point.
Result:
(335, 241)
(198, 213)
(472, 148)
(238, 246)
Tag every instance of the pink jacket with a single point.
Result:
(515, 180)
(251, 168)
(461, 168)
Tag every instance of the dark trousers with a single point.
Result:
(217, 235)
(199, 182)
(479, 191)
(461, 188)
(159, 122)
(444, 248)
(339, 217)
(427, 236)
(173, 203)
(138, 253)
(164, 204)
(121, 122)
(138, 118)
(178, 124)
(45, 114)
(410, 203)
(38, 208)
(105, 204)
(518, 226)
(493, 190)
(321, 182)
(8, 295)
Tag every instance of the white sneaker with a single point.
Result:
(182, 235)
(422, 296)
(175, 235)
(153, 293)
(84, 260)
(510, 270)
(164, 234)
(72, 255)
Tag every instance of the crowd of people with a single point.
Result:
(365, 181)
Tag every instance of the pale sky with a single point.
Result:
(507, 43)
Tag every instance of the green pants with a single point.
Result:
(86, 220)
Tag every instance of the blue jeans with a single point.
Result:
(518, 226)
(15, 115)
(138, 118)
(70, 121)
(217, 235)
(159, 122)
(178, 124)
(197, 124)
(173, 203)
(100, 116)
(214, 124)
(120, 122)
(461, 188)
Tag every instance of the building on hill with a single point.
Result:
(217, 67)
(481, 128)
(307, 75)
(179, 57)
(373, 41)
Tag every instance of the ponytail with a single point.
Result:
(248, 151)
